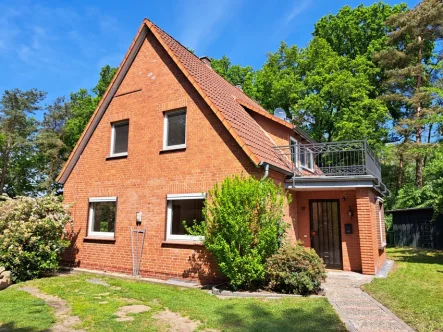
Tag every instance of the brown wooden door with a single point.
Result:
(325, 231)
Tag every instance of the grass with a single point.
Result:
(21, 312)
(288, 314)
(414, 289)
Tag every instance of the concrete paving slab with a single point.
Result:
(357, 309)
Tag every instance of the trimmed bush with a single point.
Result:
(295, 269)
(243, 227)
(32, 232)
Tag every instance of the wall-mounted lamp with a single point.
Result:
(344, 198)
(303, 208)
(138, 218)
(350, 211)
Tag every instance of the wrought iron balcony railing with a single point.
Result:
(346, 158)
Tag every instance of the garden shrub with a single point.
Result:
(243, 227)
(295, 269)
(32, 235)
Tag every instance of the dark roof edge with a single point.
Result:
(409, 209)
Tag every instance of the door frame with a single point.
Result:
(339, 223)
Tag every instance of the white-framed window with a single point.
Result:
(183, 209)
(307, 159)
(119, 139)
(381, 224)
(174, 133)
(102, 216)
(294, 149)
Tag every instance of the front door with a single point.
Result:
(325, 231)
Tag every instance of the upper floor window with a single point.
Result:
(294, 149)
(119, 140)
(306, 159)
(174, 130)
(102, 215)
(183, 209)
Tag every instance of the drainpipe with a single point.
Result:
(266, 171)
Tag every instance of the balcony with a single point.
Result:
(349, 161)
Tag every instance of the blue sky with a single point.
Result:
(60, 46)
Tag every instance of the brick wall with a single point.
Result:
(142, 180)
(372, 256)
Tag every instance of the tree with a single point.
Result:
(235, 74)
(106, 75)
(409, 62)
(357, 32)
(17, 133)
(53, 152)
(83, 105)
(327, 94)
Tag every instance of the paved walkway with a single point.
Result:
(357, 309)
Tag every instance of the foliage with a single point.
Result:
(83, 104)
(243, 227)
(409, 62)
(235, 74)
(327, 94)
(32, 232)
(431, 194)
(52, 150)
(295, 269)
(17, 133)
(359, 31)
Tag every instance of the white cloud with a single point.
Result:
(297, 9)
(202, 21)
(43, 37)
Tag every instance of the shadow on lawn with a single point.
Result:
(258, 318)
(10, 327)
(415, 255)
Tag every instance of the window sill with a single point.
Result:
(98, 239)
(117, 156)
(188, 243)
(176, 149)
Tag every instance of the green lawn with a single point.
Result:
(414, 289)
(20, 310)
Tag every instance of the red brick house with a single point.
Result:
(167, 129)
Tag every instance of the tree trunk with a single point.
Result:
(4, 170)
(419, 128)
(429, 141)
(400, 173)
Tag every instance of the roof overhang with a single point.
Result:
(336, 183)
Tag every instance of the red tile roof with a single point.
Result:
(229, 100)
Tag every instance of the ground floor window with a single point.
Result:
(183, 209)
(102, 216)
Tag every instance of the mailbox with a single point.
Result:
(348, 228)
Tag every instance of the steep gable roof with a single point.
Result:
(228, 103)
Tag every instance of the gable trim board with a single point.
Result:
(117, 80)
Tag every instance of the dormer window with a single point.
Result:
(174, 130)
(119, 139)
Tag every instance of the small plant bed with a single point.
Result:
(414, 288)
(114, 304)
(226, 290)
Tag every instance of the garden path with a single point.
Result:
(359, 311)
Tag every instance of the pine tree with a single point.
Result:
(409, 61)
